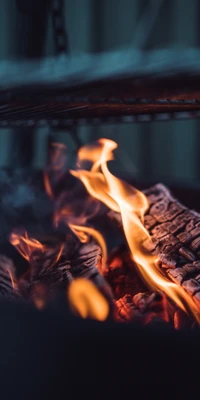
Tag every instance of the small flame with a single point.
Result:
(58, 255)
(12, 279)
(25, 245)
(83, 233)
(47, 185)
(132, 204)
(87, 300)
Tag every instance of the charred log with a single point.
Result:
(8, 286)
(143, 308)
(175, 234)
(52, 269)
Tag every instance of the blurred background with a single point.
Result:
(163, 151)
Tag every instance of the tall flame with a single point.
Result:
(131, 204)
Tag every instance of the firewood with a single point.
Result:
(53, 275)
(175, 233)
(175, 237)
(8, 286)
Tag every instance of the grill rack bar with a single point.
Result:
(64, 91)
(127, 119)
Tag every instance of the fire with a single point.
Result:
(83, 296)
(25, 245)
(82, 233)
(86, 300)
(12, 279)
(131, 204)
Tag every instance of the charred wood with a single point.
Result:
(8, 285)
(175, 233)
(51, 270)
(175, 237)
(143, 308)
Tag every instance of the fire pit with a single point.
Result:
(107, 272)
(152, 275)
(72, 290)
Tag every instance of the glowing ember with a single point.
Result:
(39, 296)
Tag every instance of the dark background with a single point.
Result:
(164, 151)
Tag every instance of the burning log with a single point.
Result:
(175, 237)
(54, 265)
(175, 233)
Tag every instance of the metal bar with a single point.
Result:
(30, 38)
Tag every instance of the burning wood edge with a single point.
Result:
(52, 270)
(175, 235)
(8, 285)
(142, 308)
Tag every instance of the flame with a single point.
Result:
(47, 185)
(87, 300)
(25, 245)
(83, 233)
(131, 204)
(58, 255)
(12, 279)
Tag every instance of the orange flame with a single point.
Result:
(87, 300)
(82, 233)
(25, 245)
(132, 204)
(12, 279)
(47, 185)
